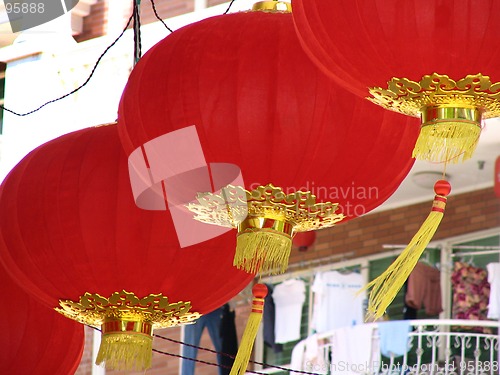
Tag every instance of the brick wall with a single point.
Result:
(165, 9)
(466, 213)
(212, 3)
(94, 25)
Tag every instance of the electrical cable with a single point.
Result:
(158, 17)
(267, 365)
(229, 6)
(137, 30)
(137, 54)
(231, 356)
(79, 87)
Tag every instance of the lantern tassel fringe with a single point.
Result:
(124, 351)
(262, 251)
(245, 350)
(385, 287)
(447, 141)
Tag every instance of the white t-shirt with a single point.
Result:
(289, 298)
(336, 304)
(494, 280)
(307, 356)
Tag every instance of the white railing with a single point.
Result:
(449, 347)
(436, 347)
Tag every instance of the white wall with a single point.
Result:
(43, 68)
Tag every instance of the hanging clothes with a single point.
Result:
(289, 298)
(424, 289)
(494, 299)
(355, 350)
(471, 292)
(394, 337)
(229, 339)
(308, 356)
(409, 312)
(213, 323)
(337, 303)
(268, 318)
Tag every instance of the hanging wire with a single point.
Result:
(205, 362)
(229, 7)
(137, 30)
(79, 87)
(137, 54)
(267, 365)
(158, 17)
(231, 356)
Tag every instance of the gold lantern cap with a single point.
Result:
(234, 204)
(451, 111)
(267, 219)
(127, 324)
(273, 6)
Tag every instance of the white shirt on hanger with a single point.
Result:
(355, 350)
(307, 356)
(289, 298)
(494, 280)
(336, 302)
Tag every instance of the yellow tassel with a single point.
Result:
(125, 351)
(385, 287)
(240, 364)
(447, 141)
(263, 250)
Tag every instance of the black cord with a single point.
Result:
(229, 7)
(137, 54)
(158, 17)
(197, 347)
(206, 362)
(215, 352)
(231, 356)
(79, 87)
(137, 31)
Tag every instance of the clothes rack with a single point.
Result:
(321, 261)
(492, 250)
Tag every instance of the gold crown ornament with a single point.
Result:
(266, 219)
(272, 6)
(451, 112)
(127, 324)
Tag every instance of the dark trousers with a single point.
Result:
(217, 323)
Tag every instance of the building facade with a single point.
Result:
(53, 60)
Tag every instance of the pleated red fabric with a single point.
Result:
(35, 339)
(365, 43)
(257, 101)
(70, 225)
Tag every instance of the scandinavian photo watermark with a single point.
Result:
(24, 15)
(351, 195)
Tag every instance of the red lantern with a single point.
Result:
(74, 238)
(304, 240)
(432, 59)
(258, 102)
(35, 339)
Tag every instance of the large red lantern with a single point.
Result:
(75, 239)
(434, 59)
(35, 339)
(258, 102)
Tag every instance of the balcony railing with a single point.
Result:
(436, 347)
